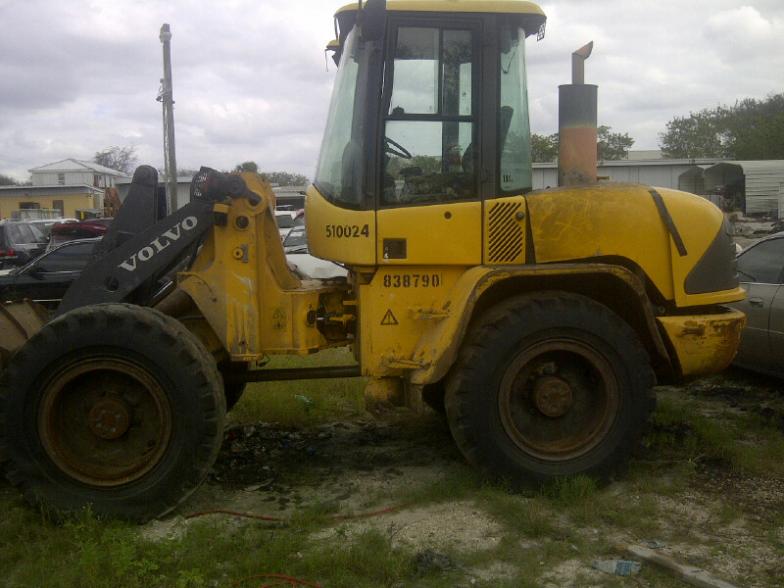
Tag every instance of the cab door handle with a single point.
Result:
(756, 302)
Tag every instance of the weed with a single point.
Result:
(727, 513)
(568, 491)
(523, 516)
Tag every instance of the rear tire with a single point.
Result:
(113, 406)
(549, 385)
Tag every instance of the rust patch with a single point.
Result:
(577, 156)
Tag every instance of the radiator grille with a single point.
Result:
(504, 233)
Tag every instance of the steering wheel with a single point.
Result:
(396, 148)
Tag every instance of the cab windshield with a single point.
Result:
(340, 153)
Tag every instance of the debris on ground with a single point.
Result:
(279, 461)
(689, 574)
(427, 561)
(617, 567)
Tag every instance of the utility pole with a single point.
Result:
(166, 98)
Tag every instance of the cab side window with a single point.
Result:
(429, 126)
(763, 263)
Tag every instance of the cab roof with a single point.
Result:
(530, 16)
(476, 6)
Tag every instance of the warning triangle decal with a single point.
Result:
(389, 319)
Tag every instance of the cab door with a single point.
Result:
(429, 209)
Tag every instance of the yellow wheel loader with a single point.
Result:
(538, 321)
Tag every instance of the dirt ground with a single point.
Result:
(694, 508)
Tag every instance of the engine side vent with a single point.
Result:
(505, 233)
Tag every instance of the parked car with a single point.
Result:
(303, 263)
(20, 241)
(761, 271)
(288, 219)
(46, 278)
(65, 231)
(296, 240)
(45, 224)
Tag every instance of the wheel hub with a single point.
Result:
(109, 418)
(558, 398)
(553, 396)
(104, 421)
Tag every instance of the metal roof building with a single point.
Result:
(763, 180)
(665, 173)
(759, 183)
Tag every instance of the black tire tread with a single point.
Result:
(476, 350)
(169, 335)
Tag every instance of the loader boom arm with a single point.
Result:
(137, 251)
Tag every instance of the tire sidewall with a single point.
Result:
(151, 346)
(518, 326)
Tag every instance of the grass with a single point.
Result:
(570, 520)
(747, 443)
(88, 553)
(302, 402)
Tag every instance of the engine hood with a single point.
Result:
(663, 232)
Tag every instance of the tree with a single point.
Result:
(123, 159)
(247, 166)
(609, 146)
(693, 136)
(612, 146)
(544, 148)
(285, 178)
(280, 178)
(750, 129)
(754, 129)
(7, 181)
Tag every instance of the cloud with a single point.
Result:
(657, 60)
(250, 79)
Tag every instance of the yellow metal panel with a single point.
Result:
(417, 331)
(704, 344)
(397, 308)
(481, 6)
(442, 234)
(339, 234)
(242, 285)
(602, 221)
(438, 346)
(622, 220)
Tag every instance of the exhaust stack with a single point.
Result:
(577, 119)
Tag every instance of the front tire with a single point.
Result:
(549, 385)
(113, 406)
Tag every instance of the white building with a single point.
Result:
(73, 172)
(183, 188)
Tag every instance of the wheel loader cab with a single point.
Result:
(428, 119)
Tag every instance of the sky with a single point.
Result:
(251, 81)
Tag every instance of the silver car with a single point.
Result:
(761, 271)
